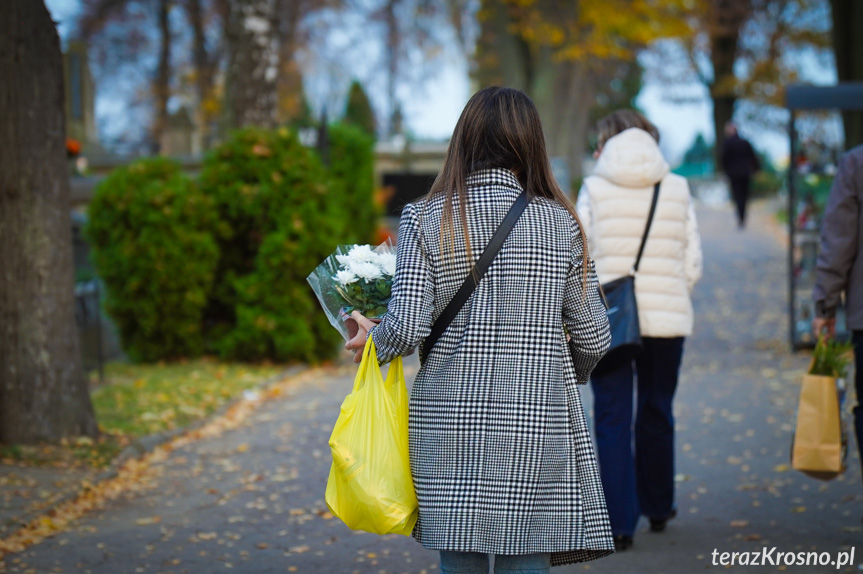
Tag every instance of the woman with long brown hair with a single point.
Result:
(500, 452)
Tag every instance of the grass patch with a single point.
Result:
(80, 452)
(139, 400)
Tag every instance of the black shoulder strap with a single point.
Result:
(647, 227)
(464, 292)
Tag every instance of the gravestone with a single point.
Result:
(180, 137)
(80, 96)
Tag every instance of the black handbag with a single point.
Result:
(464, 292)
(622, 310)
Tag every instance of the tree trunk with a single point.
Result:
(562, 91)
(251, 95)
(726, 19)
(567, 115)
(393, 53)
(162, 86)
(723, 112)
(848, 49)
(203, 71)
(290, 81)
(43, 391)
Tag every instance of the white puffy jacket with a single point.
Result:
(613, 204)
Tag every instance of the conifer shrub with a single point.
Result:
(358, 110)
(149, 227)
(351, 156)
(219, 265)
(277, 219)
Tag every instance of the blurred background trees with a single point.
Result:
(280, 60)
(239, 63)
(755, 48)
(570, 56)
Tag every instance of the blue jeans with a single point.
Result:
(641, 482)
(477, 563)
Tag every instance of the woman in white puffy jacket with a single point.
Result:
(613, 205)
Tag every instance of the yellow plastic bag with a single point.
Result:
(370, 486)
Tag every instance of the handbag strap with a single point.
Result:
(464, 292)
(647, 227)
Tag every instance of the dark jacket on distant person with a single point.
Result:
(738, 158)
(840, 259)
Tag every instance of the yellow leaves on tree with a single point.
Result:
(753, 47)
(578, 31)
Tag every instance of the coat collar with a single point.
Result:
(495, 177)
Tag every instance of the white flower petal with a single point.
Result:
(367, 271)
(345, 277)
(388, 263)
(363, 253)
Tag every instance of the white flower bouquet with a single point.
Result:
(354, 278)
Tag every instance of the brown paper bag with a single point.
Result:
(819, 447)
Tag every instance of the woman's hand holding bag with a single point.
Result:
(370, 486)
(358, 328)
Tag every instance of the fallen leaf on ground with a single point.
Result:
(148, 520)
(752, 537)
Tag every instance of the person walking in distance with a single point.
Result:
(613, 205)
(739, 163)
(839, 267)
(500, 450)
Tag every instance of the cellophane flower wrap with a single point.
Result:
(355, 278)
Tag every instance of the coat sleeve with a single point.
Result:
(692, 256)
(409, 314)
(584, 312)
(838, 236)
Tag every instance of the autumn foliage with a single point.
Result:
(73, 148)
(596, 31)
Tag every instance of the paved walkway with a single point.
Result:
(251, 500)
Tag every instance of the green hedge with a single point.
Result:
(148, 225)
(352, 165)
(219, 265)
(269, 189)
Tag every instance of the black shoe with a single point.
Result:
(622, 542)
(658, 524)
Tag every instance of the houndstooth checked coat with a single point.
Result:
(500, 452)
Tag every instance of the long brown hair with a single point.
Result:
(498, 128)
